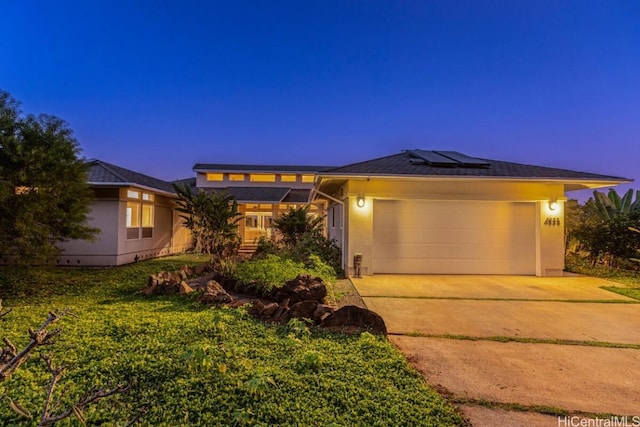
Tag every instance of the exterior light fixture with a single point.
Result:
(360, 201)
(553, 205)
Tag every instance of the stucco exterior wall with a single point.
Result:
(103, 251)
(359, 221)
(108, 213)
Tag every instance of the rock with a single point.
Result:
(167, 288)
(281, 315)
(303, 288)
(188, 271)
(351, 318)
(269, 309)
(257, 308)
(184, 288)
(303, 309)
(199, 270)
(153, 281)
(321, 312)
(149, 290)
(214, 293)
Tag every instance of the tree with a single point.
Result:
(212, 219)
(297, 224)
(44, 196)
(612, 205)
(302, 237)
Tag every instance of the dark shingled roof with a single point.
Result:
(189, 182)
(105, 173)
(297, 196)
(259, 168)
(255, 194)
(400, 164)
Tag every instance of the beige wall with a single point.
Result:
(112, 247)
(103, 251)
(359, 221)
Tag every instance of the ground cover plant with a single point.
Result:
(264, 274)
(192, 365)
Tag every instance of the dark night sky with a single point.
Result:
(161, 85)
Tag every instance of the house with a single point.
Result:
(413, 212)
(262, 193)
(443, 212)
(136, 216)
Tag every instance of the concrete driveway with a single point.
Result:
(515, 341)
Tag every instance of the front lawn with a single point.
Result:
(196, 366)
(629, 278)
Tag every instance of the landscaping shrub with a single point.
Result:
(264, 275)
(301, 237)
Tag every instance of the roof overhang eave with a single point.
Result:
(131, 184)
(588, 183)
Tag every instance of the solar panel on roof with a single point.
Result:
(463, 159)
(433, 158)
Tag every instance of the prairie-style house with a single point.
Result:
(412, 212)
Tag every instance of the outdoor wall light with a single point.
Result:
(553, 205)
(360, 201)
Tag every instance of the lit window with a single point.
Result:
(308, 178)
(133, 214)
(288, 178)
(215, 177)
(147, 197)
(133, 194)
(251, 221)
(236, 177)
(147, 215)
(262, 178)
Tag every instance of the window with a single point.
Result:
(251, 221)
(287, 178)
(263, 177)
(308, 178)
(215, 176)
(133, 214)
(139, 215)
(147, 215)
(236, 177)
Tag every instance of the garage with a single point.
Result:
(454, 237)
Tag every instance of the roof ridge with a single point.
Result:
(364, 161)
(108, 167)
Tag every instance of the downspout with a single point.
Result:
(344, 255)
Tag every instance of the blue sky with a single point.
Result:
(157, 86)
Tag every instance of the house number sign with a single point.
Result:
(552, 222)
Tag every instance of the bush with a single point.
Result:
(271, 272)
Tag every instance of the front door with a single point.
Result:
(256, 225)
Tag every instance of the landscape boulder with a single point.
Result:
(351, 319)
(184, 288)
(215, 294)
(303, 309)
(303, 288)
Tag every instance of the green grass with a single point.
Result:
(197, 366)
(630, 278)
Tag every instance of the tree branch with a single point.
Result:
(10, 360)
(4, 313)
(90, 397)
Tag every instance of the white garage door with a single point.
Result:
(453, 237)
